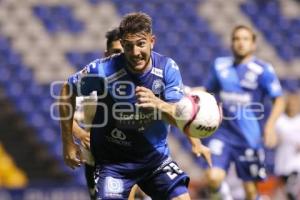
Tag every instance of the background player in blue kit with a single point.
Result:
(241, 83)
(88, 108)
(136, 90)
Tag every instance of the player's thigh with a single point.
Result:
(185, 196)
(132, 192)
(112, 184)
(249, 164)
(167, 181)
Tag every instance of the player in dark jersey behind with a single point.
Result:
(113, 46)
(137, 91)
(241, 83)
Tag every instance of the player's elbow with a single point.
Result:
(66, 91)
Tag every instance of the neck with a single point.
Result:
(242, 60)
(291, 114)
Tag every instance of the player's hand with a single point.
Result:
(85, 139)
(146, 98)
(205, 152)
(199, 149)
(72, 155)
(270, 136)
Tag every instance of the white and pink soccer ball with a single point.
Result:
(198, 114)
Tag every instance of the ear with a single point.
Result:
(152, 40)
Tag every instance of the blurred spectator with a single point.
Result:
(287, 158)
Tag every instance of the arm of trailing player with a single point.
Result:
(271, 85)
(66, 111)
(82, 83)
(273, 89)
(81, 134)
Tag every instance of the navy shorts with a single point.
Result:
(249, 162)
(163, 182)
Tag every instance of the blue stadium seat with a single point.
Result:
(58, 18)
(263, 14)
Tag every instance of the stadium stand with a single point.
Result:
(283, 35)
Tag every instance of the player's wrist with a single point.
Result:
(68, 140)
(166, 108)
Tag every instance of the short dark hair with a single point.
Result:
(248, 28)
(111, 36)
(134, 23)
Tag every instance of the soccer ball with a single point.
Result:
(198, 114)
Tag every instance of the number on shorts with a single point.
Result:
(172, 170)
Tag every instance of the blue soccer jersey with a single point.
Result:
(242, 89)
(124, 133)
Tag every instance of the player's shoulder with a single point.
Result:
(105, 65)
(223, 62)
(262, 65)
(163, 62)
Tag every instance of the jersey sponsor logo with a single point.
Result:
(113, 187)
(235, 98)
(158, 72)
(118, 137)
(117, 134)
(123, 90)
(136, 116)
(116, 76)
(251, 76)
(158, 86)
(249, 84)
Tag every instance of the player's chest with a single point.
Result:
(123, 89)
(240, 78)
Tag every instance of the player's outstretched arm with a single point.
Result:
(270, 137)
(146, 99)
(71, 151)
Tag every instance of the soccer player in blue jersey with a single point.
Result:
(136, 94)
(88, 109)
(241, 83)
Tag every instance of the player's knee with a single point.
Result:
(215, 177)
(251, 195)
(250, 191)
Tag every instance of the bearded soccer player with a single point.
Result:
(136, 94)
